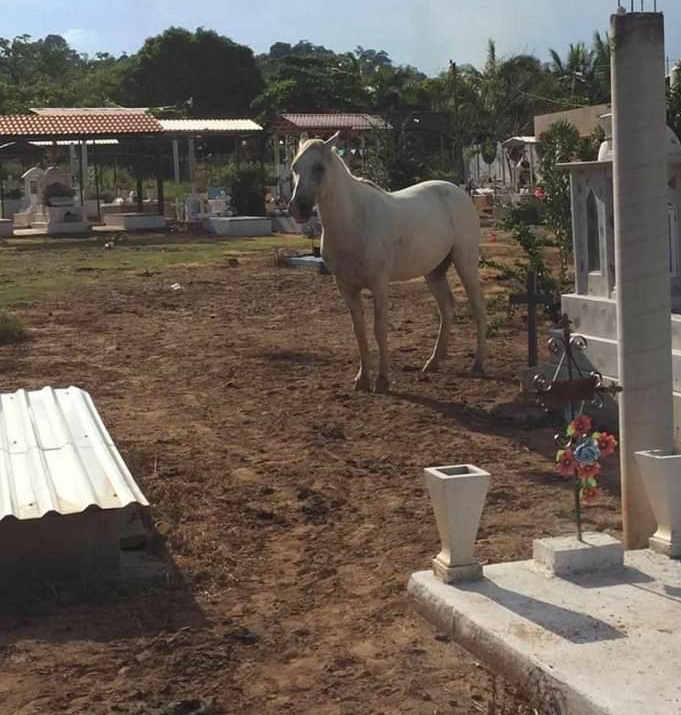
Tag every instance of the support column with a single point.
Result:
(277, 164)
(191, 160)
(641, 257)
(83, 170)
(73, 161)
(138, 177)
(94, 157)
(159, 177)
(82, 173)
(2, 191)
(176, 161)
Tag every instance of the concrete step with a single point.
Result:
(597, 317)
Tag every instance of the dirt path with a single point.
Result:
(295, 508)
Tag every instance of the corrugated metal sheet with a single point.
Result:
(73, 142)
(56, 456)
(206, 126)
(329, 122)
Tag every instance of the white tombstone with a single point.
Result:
(57, 179)
(32, 182)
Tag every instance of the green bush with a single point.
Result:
(11, 329)
(529, 210)
(248, 191)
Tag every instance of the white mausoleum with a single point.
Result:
(591, 307)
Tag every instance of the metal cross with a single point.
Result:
(531, 298)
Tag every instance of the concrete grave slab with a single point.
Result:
(6, 227)
(605, 643)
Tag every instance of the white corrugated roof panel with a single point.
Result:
(56, 456)
(67, 142)
(206, 126)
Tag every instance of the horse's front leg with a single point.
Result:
(380, 293)
(353, 299)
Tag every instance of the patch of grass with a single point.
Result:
(39, 270)
(12, 330)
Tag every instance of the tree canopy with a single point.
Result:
(202, 73)
(219, 76)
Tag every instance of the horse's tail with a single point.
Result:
(465, 253)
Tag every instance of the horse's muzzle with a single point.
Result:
(300, 210)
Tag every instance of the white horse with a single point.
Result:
(371, 237)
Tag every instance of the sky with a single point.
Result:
(424, 33)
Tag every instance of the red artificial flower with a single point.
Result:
(588, 471)
(590, 494)
(580, 425)
(606, 443)
(539, 193)
(566, 463)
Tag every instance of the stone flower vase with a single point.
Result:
(458, 494)
(661, 474)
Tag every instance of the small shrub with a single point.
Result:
(529, 210)
(57, 191)
(248, 191)
(11, 329)
(13, 194)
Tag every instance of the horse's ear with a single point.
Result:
(331, 142)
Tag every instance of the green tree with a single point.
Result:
(218, 75)
(561, 143)
(45, 72)
(313, 84)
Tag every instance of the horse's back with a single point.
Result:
(445, 205)
(427, 222)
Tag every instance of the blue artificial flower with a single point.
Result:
(587, 452)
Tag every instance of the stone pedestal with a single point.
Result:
(566, 555)
(458, 494)
(135, 221)
(237, 226)
(661, 474)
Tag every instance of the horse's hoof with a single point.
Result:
(431, 366)
(362, 384)
(382, 386)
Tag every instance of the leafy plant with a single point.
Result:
(248, 191)
(519, 221)
(11, 329)
(559, 144)
(57, 191)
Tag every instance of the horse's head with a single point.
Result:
(310, 170)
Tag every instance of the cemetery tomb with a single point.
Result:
(64, 487)
(592, 305)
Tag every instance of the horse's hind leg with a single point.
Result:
(467, 266)
(353, 299)
(439, 287)
(380, 293)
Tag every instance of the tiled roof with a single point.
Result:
(208, 126)
(36, 126)
(330, 122)
(56, 456)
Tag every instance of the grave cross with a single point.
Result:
(532, 299)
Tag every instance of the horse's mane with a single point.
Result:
(361, 179)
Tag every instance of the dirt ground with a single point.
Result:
(293, 508)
